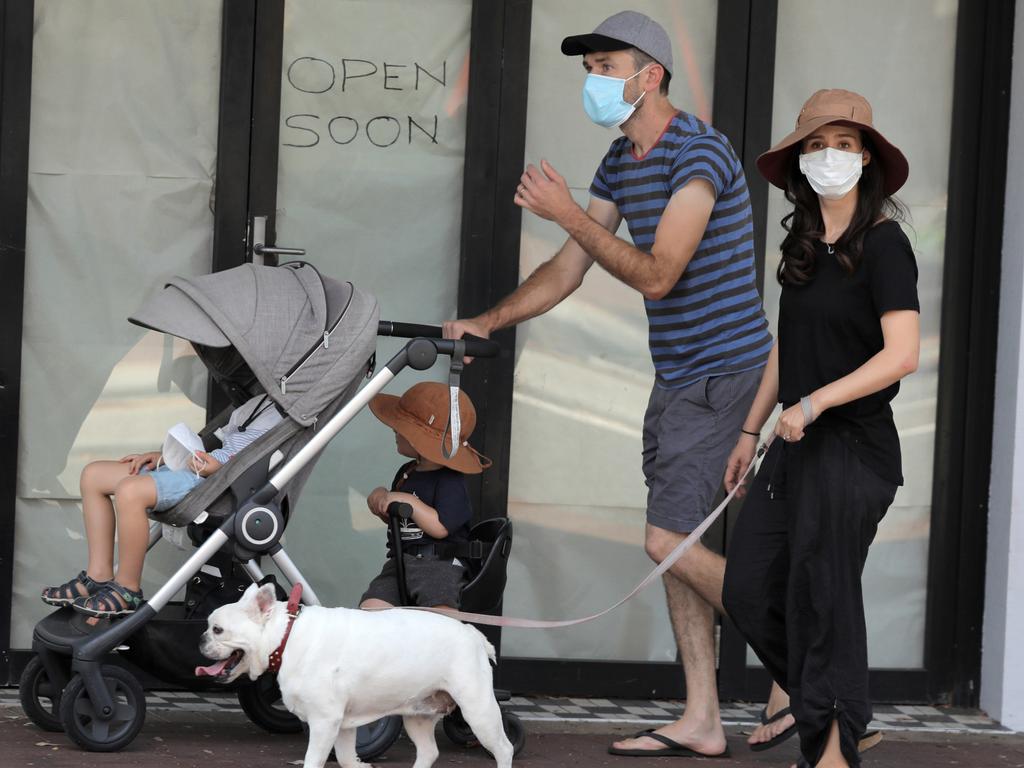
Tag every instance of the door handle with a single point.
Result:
(260, 249)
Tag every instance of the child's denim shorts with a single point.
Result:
(172, 485)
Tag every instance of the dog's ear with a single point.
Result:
(250, 593)
(266, 596)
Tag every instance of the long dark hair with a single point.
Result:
(804, 225)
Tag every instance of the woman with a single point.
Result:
(848, 332)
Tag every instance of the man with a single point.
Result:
(681, 189)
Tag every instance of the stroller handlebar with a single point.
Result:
(475, 346)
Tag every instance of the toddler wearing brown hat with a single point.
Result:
(434, 485)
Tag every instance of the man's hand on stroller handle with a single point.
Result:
(137, 461)
(456, 329)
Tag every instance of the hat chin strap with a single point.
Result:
(454, 426)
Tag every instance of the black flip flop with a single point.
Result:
(671, 748)
(779, 738)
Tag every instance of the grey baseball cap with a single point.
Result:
(626, 29)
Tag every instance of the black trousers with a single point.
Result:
(793, 581)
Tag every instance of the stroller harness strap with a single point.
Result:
(293, 611)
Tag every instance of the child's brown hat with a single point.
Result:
(421, 417)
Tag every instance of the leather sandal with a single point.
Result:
(110, 600)
(68, 592)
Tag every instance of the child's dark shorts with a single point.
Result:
(429, 580)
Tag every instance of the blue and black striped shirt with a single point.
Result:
(711, 323)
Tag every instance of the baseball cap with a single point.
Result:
(625, 29)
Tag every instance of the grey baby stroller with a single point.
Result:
(307, 341)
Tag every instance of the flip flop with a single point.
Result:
(868, 740)
(671, 748)
(778, 738)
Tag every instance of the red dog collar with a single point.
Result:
(293, 611)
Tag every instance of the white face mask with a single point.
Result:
(831, 172)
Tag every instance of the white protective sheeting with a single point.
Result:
(912, 104)
(379, 205)
(122, 156)
(583, 376)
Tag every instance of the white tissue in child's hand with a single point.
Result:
(180, 446)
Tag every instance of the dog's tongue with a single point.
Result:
(214, 669)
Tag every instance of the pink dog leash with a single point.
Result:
(664, 565)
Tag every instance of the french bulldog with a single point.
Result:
(342, 668)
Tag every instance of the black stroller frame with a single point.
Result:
(102, 704)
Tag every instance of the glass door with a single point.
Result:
(368, 182)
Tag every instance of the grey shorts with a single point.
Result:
(430, 581)
(688, 436)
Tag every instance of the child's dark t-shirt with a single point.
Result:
(443, 489)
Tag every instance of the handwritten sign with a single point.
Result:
(328, 80)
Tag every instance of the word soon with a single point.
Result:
(381, 131)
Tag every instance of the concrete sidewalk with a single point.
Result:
(225, 739)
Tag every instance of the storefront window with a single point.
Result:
(373, 133)
(910, 87)
(583, 375)
(122, 156)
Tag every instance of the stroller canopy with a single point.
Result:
(305, 337)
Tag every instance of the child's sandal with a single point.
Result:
(110, 600)
(68, 592)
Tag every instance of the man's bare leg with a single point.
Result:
(693, 588)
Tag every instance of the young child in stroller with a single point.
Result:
(435, 487)
(122, 491)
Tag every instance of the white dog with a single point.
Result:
(343, 668)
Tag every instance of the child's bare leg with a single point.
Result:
(133, 496)
(99, 480)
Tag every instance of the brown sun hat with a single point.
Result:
(421, 417)
(835, 106)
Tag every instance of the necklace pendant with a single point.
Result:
(831, 250)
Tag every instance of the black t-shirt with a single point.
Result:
(443, 489)
(831, 326)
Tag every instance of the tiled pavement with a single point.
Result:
(554, 710)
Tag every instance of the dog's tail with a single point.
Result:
(491, 653)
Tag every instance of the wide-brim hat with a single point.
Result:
(421, 416)
(835, 106)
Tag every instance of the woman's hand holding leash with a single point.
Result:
(795, 419)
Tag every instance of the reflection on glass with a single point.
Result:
(583, 376)
(912, 104)
(122, 155)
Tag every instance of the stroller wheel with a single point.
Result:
(261, 702)
(40, 699)
(458, 731)
(376, 738)
(514, 730)
(78, 715)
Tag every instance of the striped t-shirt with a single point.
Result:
(711, 322)
(247, 422)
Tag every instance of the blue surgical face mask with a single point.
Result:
(603, 102)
